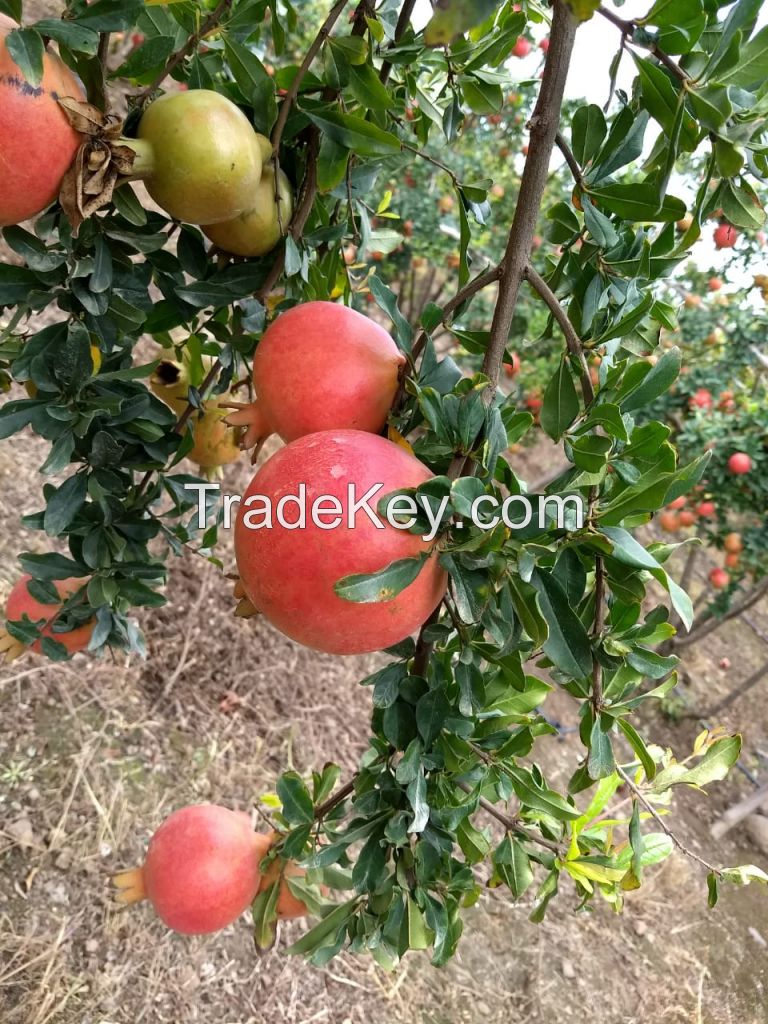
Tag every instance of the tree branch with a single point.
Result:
(511, 824)
(406, 12)
(571, 337)
(628, 28)
(658, 818)
(570, 159)
(337, 798)
(175, 59)
(543, 127)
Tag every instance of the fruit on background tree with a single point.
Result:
(506, 615)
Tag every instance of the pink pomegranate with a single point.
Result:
(320, 366)
(289, 574)
(201, 870)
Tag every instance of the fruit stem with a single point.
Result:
(131, 886)
(252, 417)
(144, 158)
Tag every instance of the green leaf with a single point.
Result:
(568, 645)
(561, 403)
(714, 766)
(143, 62)
(513, 866)
(741, 14)
(111, 15)
(387, 299)
(588, 132)
(368, 89)
(27, 50)
(74, 36)
(454, 17)
(352, 132)
(539, 798)
(384, 585)
(431, 712)
(296, 800)
(64, 504)
(601, 761)
(741, 205)
(638, 745)
(638, 203)
(655, 383)
(752, 67)
(599, 226)
(661, 98)
(712, 892)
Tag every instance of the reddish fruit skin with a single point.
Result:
(725, 236)
(521, 48)
(513, 368)
(289, 575)
(37, 143)
(687, 518)
(678, 502)
(669, 522)
(702, 399)
(733, 560)
(706, 510)
(322, 366)
(740, 463)
(733, 543)
(719, 579)
(544, 44)
(21, 603)
(202, 868)
(714, 284)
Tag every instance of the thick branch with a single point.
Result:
(571, 337)
(658, 818)
(175, 59)
(543, 127)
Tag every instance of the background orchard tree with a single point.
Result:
(361, 106)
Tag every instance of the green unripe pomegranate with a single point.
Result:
(258, 230)
(199, 156)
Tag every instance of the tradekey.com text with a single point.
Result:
(401, 511)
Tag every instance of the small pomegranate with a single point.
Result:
(686, 517)
(719, 579)
(199, 156)
(544, 44)
(288, 906)
(670, 522)
(702, 399)
(512, 368)
(739, 464)
(733, 543)
(725, 236)
(22, 604)
(678, 503)
(289, 573)
(706, 510)
(258, 230)
(521, 48)
(320, 366)
(37, 143)
(732, 561)
(714, 284)
(201, 870)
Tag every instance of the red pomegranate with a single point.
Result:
(702, 399)
(289, 573)
(512, 368)
(201, 870)
(719, 579)
(678, 503)
(725, 236)
(670, 522)
(686, 517)
(706, 510)
(21, 603)
(740, 463)
(320, 366)
(521, 48)
(37, 143)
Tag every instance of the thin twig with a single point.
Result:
(176, 58)
(338, 798)
(403, 22)
(570, 159)
(658, 818)
(572, 339)
(628, 28)
(511, 824)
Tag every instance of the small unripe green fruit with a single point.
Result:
(199, 156)
(257, 231)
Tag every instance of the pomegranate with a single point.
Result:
(686, 517)
(725, 236)
(719, 579)
(739, 464)
(37, 143)
(521, 48)
(733, 543)
(320, 366)
(216, 444)
(21, 603)
(669, 522)
(544, 44)
(258, 230)
(201, 870)
(732, 561)
(678, 503)
(702, 399)
(199, 156)
(288, 905)
(714, 284)
(512, 368)
(706, 510)
(289, 573)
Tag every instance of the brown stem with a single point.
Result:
(175, 59)
(403, 22)
(571, 337)
(333, 801)
(570, 159)
(511, 824)
(658, 818)
(543, 128)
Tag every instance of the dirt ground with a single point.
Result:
(93, 756)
